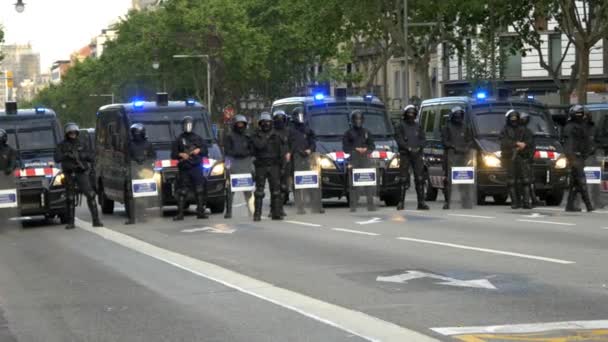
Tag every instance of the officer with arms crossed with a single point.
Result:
(457, 141)
(8, 155)
(516, 145)
(577, 146)
(411, 140)
(140, 151)
(238, 146)
(269, 150)
(190, 149)
(74, 159)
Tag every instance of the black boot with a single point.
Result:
(94, 212)
(70, 216)
(447, 193)
(201, 202)
(586, 199)
(181, 206)
(420, 195)
(229, 197)
(527, 202)
(401, 204)
(130, 209)
(257, 213)
(571, 202)
(514, 197)
(277, 206)
(284, 200)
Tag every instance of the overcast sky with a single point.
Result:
(56, 28)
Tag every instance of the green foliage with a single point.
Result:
(1, 41)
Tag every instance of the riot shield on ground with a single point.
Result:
(307, 183)
(145, 187)
(9, 197)
(363, 182)
(594, 173)
(239, 173)
(462, 179)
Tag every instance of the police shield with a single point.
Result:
(307, 183)
(145, 189)
(363, 182)
(239, 176)
(9, 197)
(461, 179)
(594, 173)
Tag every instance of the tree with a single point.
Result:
(1, 41)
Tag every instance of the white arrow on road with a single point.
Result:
(220, 230)
(373, 220)
(411, 275)
(535, 215)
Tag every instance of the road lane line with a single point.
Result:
(548, 222)
(487, 250)
(523, 328)
(605, 228)
(473, 216)
(353, 322)
(354, 231)
(303, 223)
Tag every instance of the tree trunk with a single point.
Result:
(581, 85)
(564, 94)
(422, 70)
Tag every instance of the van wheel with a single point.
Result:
(391, 200)
(481, 198)
(430, 192)
(217, 206)
(107, 206)
(554, 198)
(63, 219)
(500, 199)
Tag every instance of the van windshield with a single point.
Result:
(165, 127)
(329, 124)
(32, 138)
(492, 123)
(377, 122)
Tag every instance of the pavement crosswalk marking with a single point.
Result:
(488, 250)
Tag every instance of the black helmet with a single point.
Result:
(265, 121)
(280, 119)
(357, 118)
(297, 115)
(524, 118)
(188, 124)
(410, 112)
(3, 137)
(138, 132)
(239, 123)
(457, 114)
(577, 112)
(71, 127)
(513, 117)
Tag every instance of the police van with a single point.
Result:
(34, 134)
(162, 120)
(487, 118)
(329, 118)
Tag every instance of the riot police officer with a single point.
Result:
(237, 146)
(74, 159)
(525, 122)
(359, 143)
(190, 149)
(516, 145)
(577, 146)
(281, 127)
(269, 150)
(457, 141)
(8, 155)
(140, 151)
(411, 140)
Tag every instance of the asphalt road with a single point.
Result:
(382, 275)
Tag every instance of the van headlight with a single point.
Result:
(218, 169)
(561, 163)
(327, 164)
(491, 160)
(394, 164)
(59, 180)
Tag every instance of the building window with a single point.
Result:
(511, 67)
(555, 51)
(446, 61)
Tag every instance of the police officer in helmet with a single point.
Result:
(189, 149)
(140, 151)
(237, 146)
(75, 159)
(577, 146)
(281, 127)
(457, 141)
(359, 143)
(525, 122)
(516, 145)
(411, 140)
(269, 150)
(8, 155)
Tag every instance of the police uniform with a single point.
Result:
(358, 137)
(577, 147)
(515, 159)
(411, 141)
(75, 159)
(269, 149)
(140, 151)
(190, 169)
(525, 121)
(456, 137)
(281, 128)
(237, 146)
(8, 155)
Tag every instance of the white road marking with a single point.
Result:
(373, 220)
(196, 230)
(487, 250)
(303, 223)
(354, 231)
(605, 228)
(239, 205)
(411, 275)
(550, 209)
(548, 222)
(473, 216)
(221, 230)
(523, 328)
(535, 215)
(351, 321)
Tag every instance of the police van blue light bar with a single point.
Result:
(369, 97)
(190, 102)
(530, 97)
(481, 95)
(138, 104)
(40, 110)
(319, 97)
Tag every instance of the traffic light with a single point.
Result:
(9, 79)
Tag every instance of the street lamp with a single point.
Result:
(19, 6)
(208, 74)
